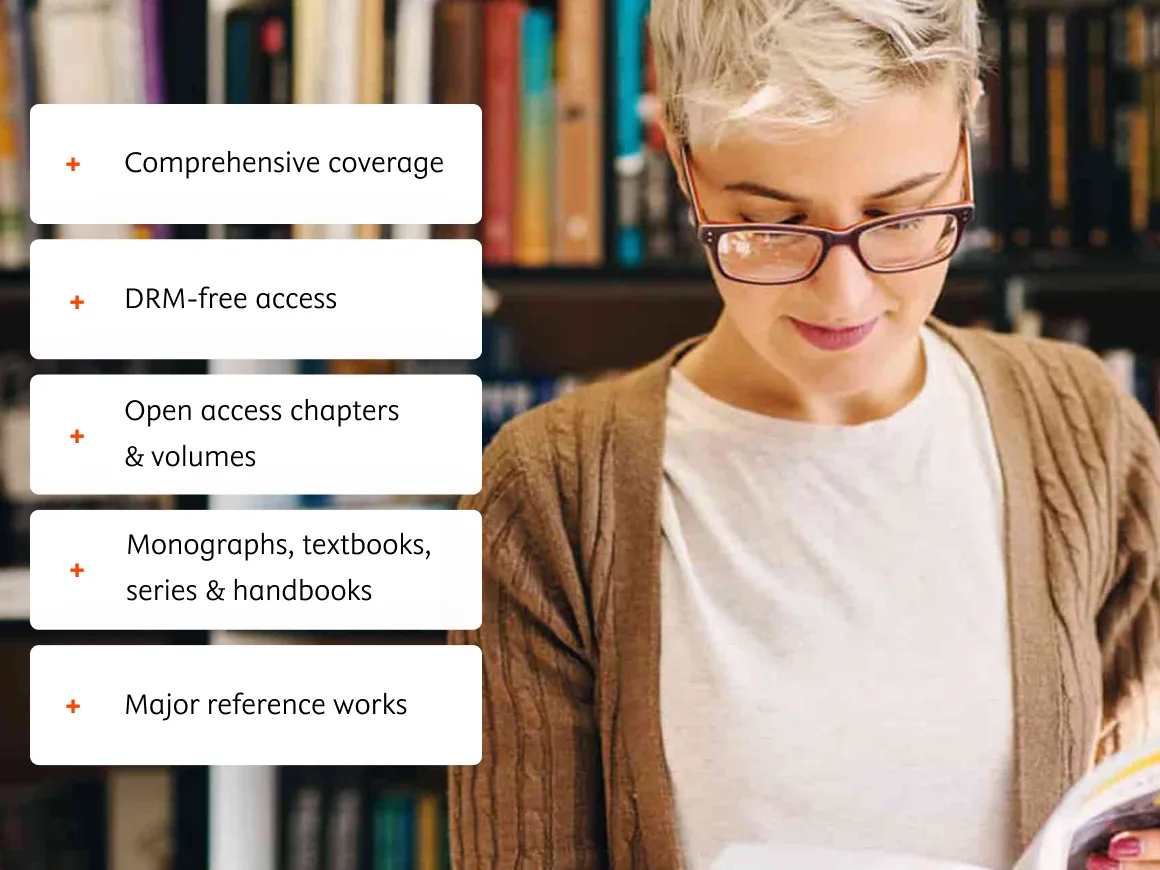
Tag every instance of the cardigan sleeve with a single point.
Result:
(1129, 622)
(535, 800)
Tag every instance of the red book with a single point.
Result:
(502, 22)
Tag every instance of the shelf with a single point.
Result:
(972, 274)
(14, 606)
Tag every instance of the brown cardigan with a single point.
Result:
(573, 773)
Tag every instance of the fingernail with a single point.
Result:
(1126, 847)
(1102, 862)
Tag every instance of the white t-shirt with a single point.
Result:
(835, 656)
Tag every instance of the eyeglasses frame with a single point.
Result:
(710, 232)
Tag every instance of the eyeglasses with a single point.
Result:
(772, 254)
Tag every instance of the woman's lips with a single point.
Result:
(833, 338)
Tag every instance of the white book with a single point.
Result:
(74, 46)
(127, 35)
(343, 65)
(414, 44)
(343, 56)
(310, 48)
(83, 56)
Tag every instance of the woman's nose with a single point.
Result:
(843, 286)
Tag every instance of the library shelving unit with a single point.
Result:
(568, 321)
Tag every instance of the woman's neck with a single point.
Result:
(726, 366)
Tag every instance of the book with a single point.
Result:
(1059, 206)
(533, 241)
(1019, 108)
(1121, 794)
(502, 27)
(629, 157)
(414, 45)
(458, 60)
(579, 218)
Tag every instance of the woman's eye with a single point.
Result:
(903, 226)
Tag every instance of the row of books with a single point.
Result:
(543, 183)
(121, 821)
(363, 819)
(575, 168)
(1068, 156)
(87, 51)
(17, 93)
(1067, 153)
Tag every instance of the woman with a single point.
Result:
(835, 574)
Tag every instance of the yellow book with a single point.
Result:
(428, 830)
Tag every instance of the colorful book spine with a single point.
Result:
(580, 150)
(153, 48)
(239, 56)
(1058, 177)
(629, 158)
(1135, 123)
(502, 25)
(394, 831)
(458, 60)
(533, 242)
(13, 247)
(430, 833)
(22, 95)
(413, 48)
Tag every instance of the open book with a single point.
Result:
(1121, 794)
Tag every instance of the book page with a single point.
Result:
(1122, 794)
(1126, 799)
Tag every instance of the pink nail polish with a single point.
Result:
(1102, 862)
(1126, 847)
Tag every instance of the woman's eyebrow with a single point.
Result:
(754, 188)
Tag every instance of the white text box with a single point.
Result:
(93, 164)
(83, 440)
(441, 687)
(275, 569)
(229, 299)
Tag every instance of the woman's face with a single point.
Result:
(844, 330)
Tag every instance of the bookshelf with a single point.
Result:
(620, 310)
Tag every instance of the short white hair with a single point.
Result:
(786, 65)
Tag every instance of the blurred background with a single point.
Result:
(590, 268)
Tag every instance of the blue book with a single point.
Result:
(533, 241)
(629, 158)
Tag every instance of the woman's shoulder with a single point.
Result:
(1055, 377)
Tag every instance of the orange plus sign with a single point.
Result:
(76, 436)
(73, 706)
(72, 164)
(77, 570)
(76, 302)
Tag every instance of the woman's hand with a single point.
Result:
(1131, 850)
